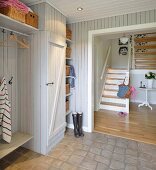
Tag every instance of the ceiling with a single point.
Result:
(94, 9)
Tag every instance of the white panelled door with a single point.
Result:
(56, 64)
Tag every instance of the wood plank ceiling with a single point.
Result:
(95, 9)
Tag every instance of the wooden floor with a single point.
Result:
(141, 125)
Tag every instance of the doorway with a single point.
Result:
(92, 34)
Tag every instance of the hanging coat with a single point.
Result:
(5, 110)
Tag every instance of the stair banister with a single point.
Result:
(106, 62)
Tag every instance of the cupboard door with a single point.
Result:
(55, 72)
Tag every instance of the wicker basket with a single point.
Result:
(67, 70)
(68, 52)
(31, 19)
(68, 33)
(67, 105)
(13, 13)
(67, 88)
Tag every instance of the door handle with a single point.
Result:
(49, 83)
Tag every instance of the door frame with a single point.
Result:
(91, 35)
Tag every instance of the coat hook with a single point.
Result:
(3, 31)
(10, 81)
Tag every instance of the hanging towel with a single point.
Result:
(5, 110)
(72, 73)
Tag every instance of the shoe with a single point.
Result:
(76, 133)
(79, 119)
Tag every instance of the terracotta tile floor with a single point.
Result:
(92, 152)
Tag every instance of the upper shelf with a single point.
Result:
(14, 25)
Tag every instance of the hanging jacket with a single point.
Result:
(72, 73)
(5, 110)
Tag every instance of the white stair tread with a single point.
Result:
(110, 96)
(116, 73)
(112, 90)
(113, 104)
(117, 69)
(109, 78)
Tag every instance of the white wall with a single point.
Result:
(100, 51)
(80, 50)
(136, 77)
(118, 61)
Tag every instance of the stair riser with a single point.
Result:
(113, 100)
(110, 93)
(117, 71)
(109, 81)
(117, 76)
(113, 108)
(112, 87)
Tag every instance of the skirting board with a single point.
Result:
(71, 126)
(57, 136)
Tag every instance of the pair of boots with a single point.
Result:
(77, 121)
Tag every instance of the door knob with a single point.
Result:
(50, 83)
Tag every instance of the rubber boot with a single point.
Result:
(79, 119)
(76, 133)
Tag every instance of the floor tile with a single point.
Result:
(89, 164)
(106, 153)
(102, 159)
(67, 166)
(80, 152)
(101, 166)
(117, 165)
(119, 150)
(131, 167)
(75, 159)
(95, 150)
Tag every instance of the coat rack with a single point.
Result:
(13, 37)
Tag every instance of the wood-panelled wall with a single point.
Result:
(80, 50)
(52, 28)
(8, 68)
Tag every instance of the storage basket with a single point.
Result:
(13, 13)
(68, 52)
(67, 105)
(68, 33)
(67, 70)
(31, 19)
(67, 88)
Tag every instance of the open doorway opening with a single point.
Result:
(112, 63)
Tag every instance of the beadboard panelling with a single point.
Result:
(52, 30)
(80, 49)
(8, 68)
(50, 19)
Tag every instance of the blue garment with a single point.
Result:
(123, 89)
(72, 73)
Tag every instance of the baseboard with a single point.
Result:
(56, 137)
(71, 126)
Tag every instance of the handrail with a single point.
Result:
(106, 62)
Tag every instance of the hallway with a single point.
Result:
(141, 126)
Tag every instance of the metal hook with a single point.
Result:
(10, 81)
(3, 31)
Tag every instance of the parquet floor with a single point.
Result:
(140, 126)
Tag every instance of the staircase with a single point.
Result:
(109, 99)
